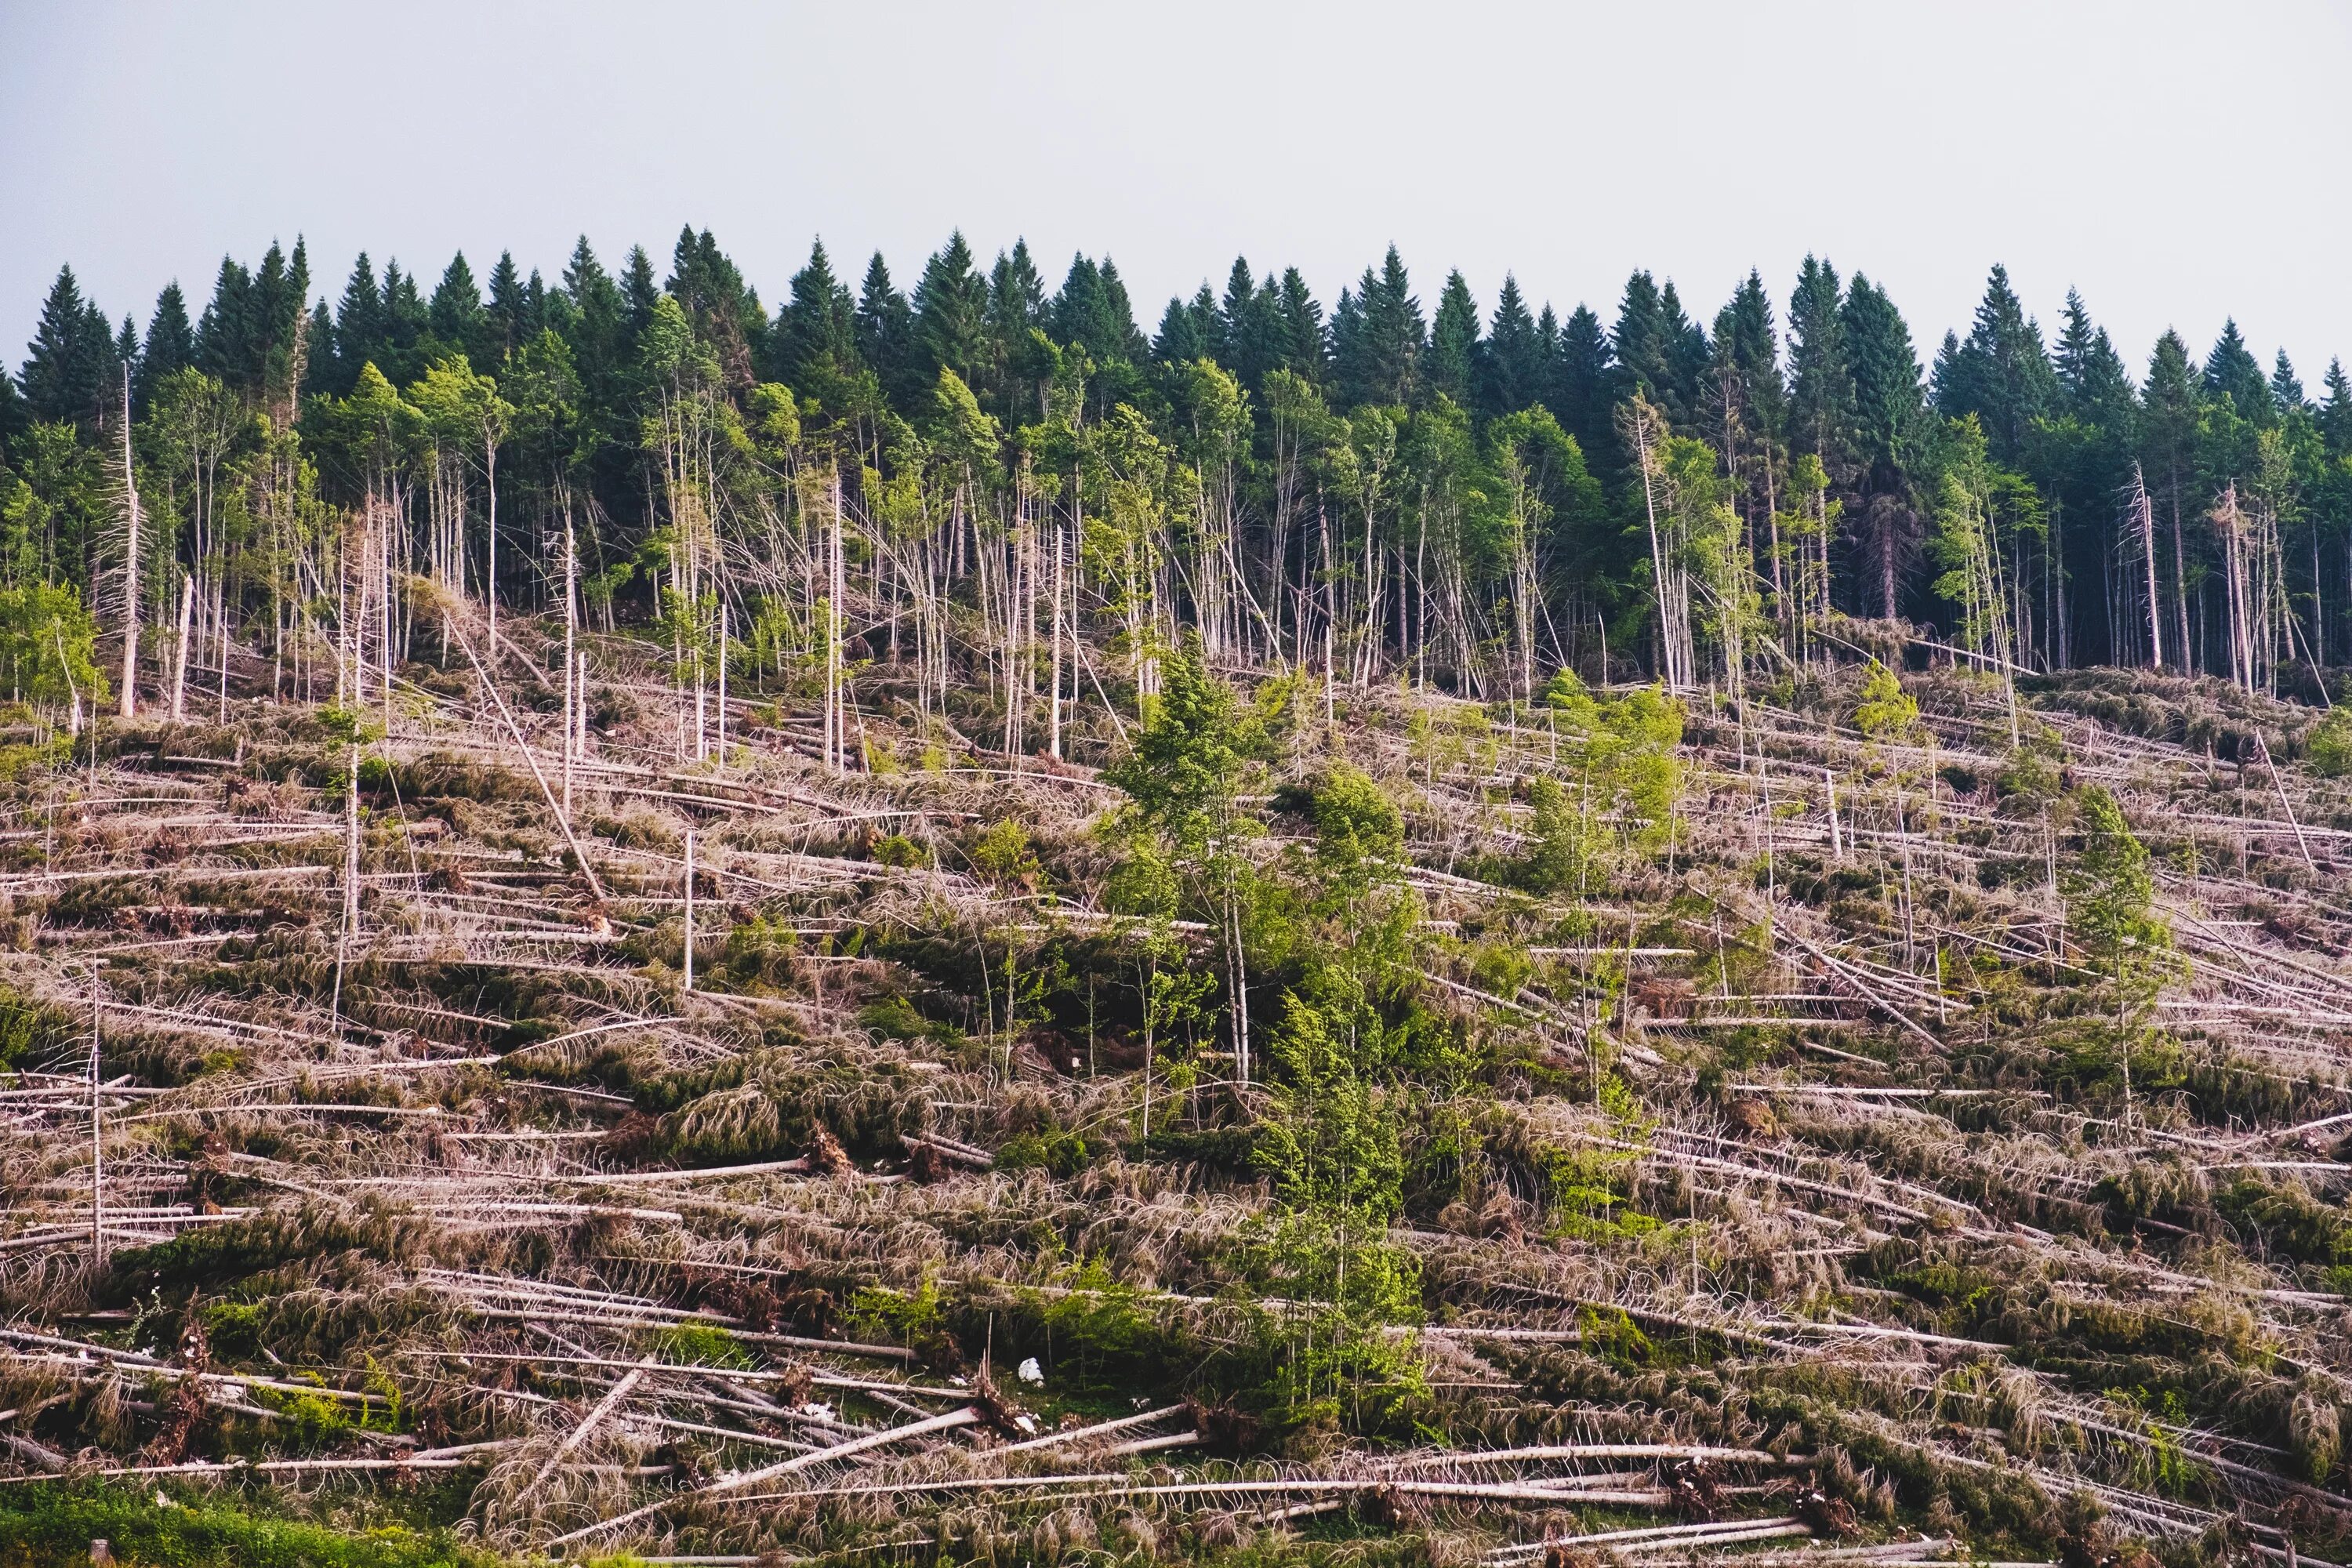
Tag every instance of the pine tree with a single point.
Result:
(359, 330)
(1455, 350)
(1821, 372)
(171, 345)
(1889, 409)
(2286, 388)
(1305, 351)
(2001, 373)
(458, 323)
(2230, 372)
(1251, 318)
(1579, 394)
(509, 310)
(1378, 338)
(65, 374)
(406, 327)
(639, 295)
(2336, 414)
(1179, 339)
(816, 335)
(227, 341)
(1512, 374)
(951, 304)
(886, 332)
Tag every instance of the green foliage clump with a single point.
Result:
(700, 1344)
(1886, 712)
(2328, 748)
(56, 1524)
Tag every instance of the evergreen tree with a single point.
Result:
(951, 306)
(2232, 371)
(1512, 374)
(509, 309)
(725, 310)
(406, 325)
(65, 374)
(227, 347)
(2286, 388)
(886, 332)
(1378, 338)
(2336, 414)
(1889, 401)
(1250, 319)
(360, 325)
(1579, 395)
(1821, 371)
(2001, 373)
(1093, 311)
(1742, 398)
(171, 345)
(816, 335)
(456, 318)
(2171, 426)
(1179, 339)
(639, 296)
(1305, 350)
(1455, 350)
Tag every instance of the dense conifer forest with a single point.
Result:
(921, 928)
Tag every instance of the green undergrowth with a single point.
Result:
(49, 1526)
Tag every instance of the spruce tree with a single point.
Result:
(1378, 339)
(1305, 352)
(227, 338)
(406, 327)
(1179, 339)
(1512, 372)
(2286, 388)
(1579, 394)
(509, 310)
(1455, 350)
(816, 335)
(639, 294)
(359, 330)
(171, 343)
(2232, 371)
(2000, 374)
(65, 374)
(951, 304)
(458, 323)
(2336, 414)
(886, 332)
(1821, 372)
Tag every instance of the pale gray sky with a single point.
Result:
(2178, 161)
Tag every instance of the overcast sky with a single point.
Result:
(2178, 162)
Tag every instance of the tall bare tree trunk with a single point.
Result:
(130, 698)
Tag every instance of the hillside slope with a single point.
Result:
(1353, 1123)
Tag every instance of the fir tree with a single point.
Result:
(2336, 414)
(359, 330)
(2230, 372)
(2001, 373)
(1512, 374)
(886, 332)
(1821, 371)
(171, 345)
(1455, 350)
(1305, 348)
(2286, 388)
(1579, 394)
(65, 374)
(815, 334)
(456, 318)
(509, 310)
(950, 305)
